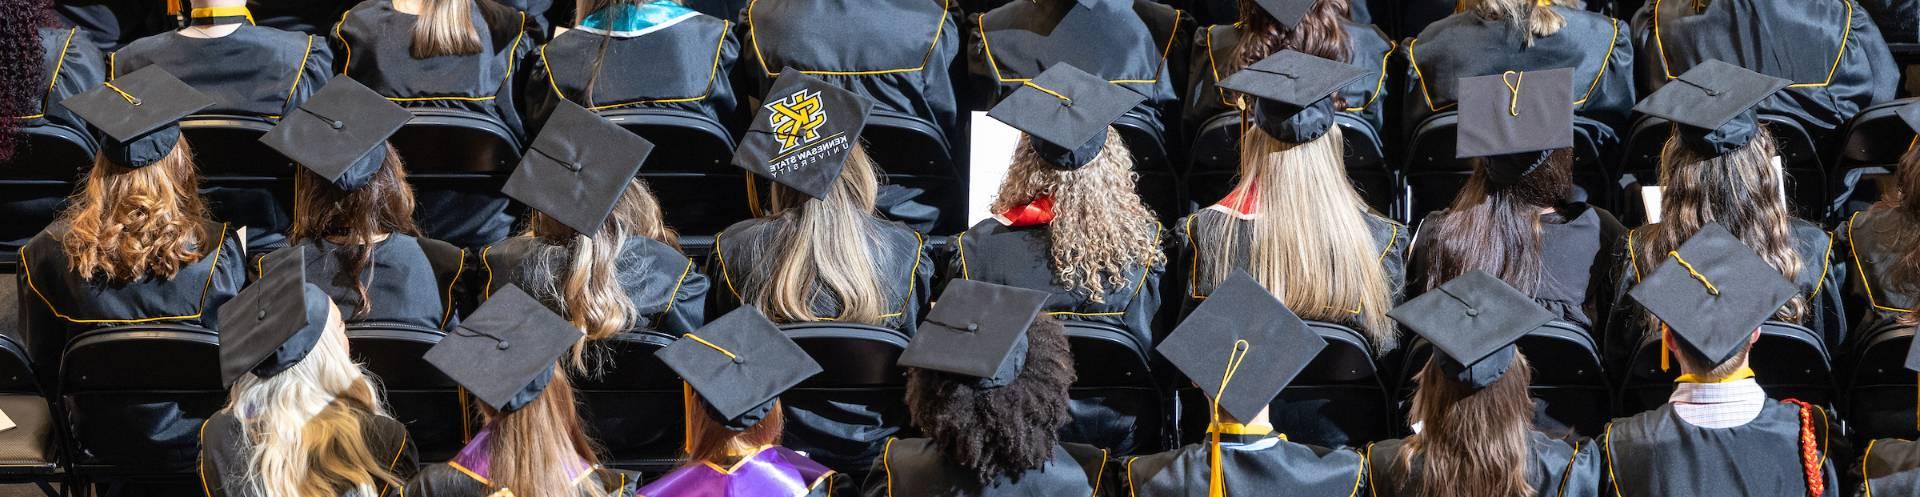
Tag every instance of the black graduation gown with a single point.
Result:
(1556, 468)
(681, 68)
(443, 480)
(224, 464)
(306, 16)
(996, 253)
(1890, 468)
(253, 71)
(1388, 236)
(375, 43)
(1137, 44)
(1466, 45)
(412, 281)
(1213, 60)
(1829, 48)
(1819, 282)
(1576, 256)
(1872, 243)
(899, 253)
(1657, 453)
(110, 24)
(669, 295)
(70, 65)
(914, 467)
(899, 53)
(1299, 469)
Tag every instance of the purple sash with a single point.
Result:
(771, 472)
(477, 456)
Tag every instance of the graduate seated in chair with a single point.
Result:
(626, 54)
(1891, 466)
(735, 370)
(303, 419)
(353, 211)
(1138, 44)
(899, 53)
(988, 387)
(820, 252)
(1242, 347)
(1885, 254)
(249, 70)
(1295, 221)
(1489, 37)
(458, 54)
(1472, 414)
(596, 249)
(1719, 166)
(1321, 28)
(507, 357)
(68, 65)
(1719, 433)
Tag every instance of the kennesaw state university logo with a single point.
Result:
(797, 119)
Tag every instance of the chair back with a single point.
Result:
(690, 170)
(1116, 401)
(135, 398)
(457, 160)
(632, 405)
(843, 416)
(244, 181)
(418, 394)
(911, 152)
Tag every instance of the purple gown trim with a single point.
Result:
(775, 471)
(477, 456)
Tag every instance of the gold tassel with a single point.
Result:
(173, 7)
(686, 424)
(1216, 482)
(1666, 344)
(753, 197)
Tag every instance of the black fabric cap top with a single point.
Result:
(506, 351)
(1513, 119)
(1910, 114)
(1713, 105)
(340, 133)
(1713, 292)
(578, 168)
(803, 133)
(1472, 321)
(740, 364)
(1244, 332)
(1067, 111)
(139, 113)
(979, 330)
(1295, 92)
(273, 323)
(1288, 12)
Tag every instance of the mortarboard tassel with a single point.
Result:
(1666, 348)
(1216, 483)
(686, 428)
(173, 7)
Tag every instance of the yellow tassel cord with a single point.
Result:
(1513, 102)
(1666, 348)
(1743, 373)
(686, 390)
(123, 94)
(753, 196)
(1666, 338)
(1063, 98)
(1216, 484)
(173, 7)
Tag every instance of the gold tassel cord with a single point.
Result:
(1513, 102)
(1216, 483)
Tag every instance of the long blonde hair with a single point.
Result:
(590, 294)
(1739, 190)
(533, 449)
(445, 27)
(305, 427)
(1100, 228)
(1472, 443)
(1527, 16)
(128, 223)
(1309, 242)
(824, 246)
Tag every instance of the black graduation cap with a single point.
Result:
(803, 133)
(1067, 111)
(506, 351)
(1713, 292)
(1473, 321)
(578, 167)
(1713, 105)
(979, 330)
(1288, 12)
(273, 323)
(139, 113)
(740, 364)
(1516, 120)
(1295, 93)
(340, 132)
(1277, 346)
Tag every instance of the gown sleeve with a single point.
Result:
(1582, 476)
(82, 67)
(1612, 100)
(726, 297)
(688, 311)
(1827, 299)
(229, 276)
(316, 68)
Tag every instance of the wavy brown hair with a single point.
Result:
(20, 52)
(1100, 229)
(1322, 33)
(1496, 228)
(587, 289)
(998, 432)
(1905, 275)
(533, 449)
(823, 246)
(1472, 443)
(1739, 190)
(355, 220)
(710, 441)
(1526, 16)
(130, 223)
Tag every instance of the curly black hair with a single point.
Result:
(21, 70)
(999, 432)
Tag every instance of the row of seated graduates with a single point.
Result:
(1397, 148)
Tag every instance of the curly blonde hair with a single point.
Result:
(1100, 227)
(129, 223)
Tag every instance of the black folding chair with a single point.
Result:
(1434, 177)
(1880, 390)
(135, 398)
(690, 171)
(1870, 148)
(843, 416)
(418, 395)
(911, 152)
(1117, 403)
(35, 183)
(632, 404)
(457, 161)
(1158, 183)
(30, 452)
(1338, 400)
(1789, 361)
(245, 182)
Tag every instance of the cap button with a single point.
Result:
(973, 327)
(503, 345)
(1471, 312)
(263, 315)
(337, 124)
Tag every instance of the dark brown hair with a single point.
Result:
(1496, 228)
(1906, 201)
(354, 219)
(1472, 443)
(710, 441)
(1323, 33)
(21, 55)
(1738, 190)
(998, 432)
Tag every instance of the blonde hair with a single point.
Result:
(532, 449)
(1739, 190)
(445, 27)
(824, 246)
(127, 223)
(305, 427)
(1536, 18)
(590, 294)
(1309, 242)
(1473, 443)
(1100, 228)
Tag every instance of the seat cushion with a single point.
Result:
(27, 444)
